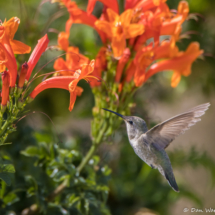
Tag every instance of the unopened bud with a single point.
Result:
(23, 74)
(5, 87)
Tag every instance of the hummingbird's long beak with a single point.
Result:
(114, 113)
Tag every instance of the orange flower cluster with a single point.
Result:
(72, 71)
(128, 34)
(132, 41)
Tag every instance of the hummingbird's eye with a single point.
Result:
(130, 122)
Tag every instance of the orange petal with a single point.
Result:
(60, 64)
(78, 91)
(19, 47)
(87, 69)
(63, 40)
(125, 17)
(72, 100)
(176, 77)
(2, 67)
(171, 27)
(8, 56)
(167, 49)
(72, 85)
(187, 71)
(134, 30)
(193, 48)
(104, 26)
(183, 9)
(11, 26)
(113, 16)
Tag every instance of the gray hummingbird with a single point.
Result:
(150, 145)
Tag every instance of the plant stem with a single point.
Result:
(5, 126)
(87, 157)
(58, 190)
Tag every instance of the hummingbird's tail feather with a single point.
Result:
(171, 180)
(168, 174)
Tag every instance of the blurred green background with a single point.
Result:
(130, 187)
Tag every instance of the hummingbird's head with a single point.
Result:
(135, 125)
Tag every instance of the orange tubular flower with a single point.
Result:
(146, 56)
(119, 28)
(148, 4)
(142, 60)
(54, 82)
(86, 74)
(11, 27)
(7, 57)
(181, 64)
(36, 54)
(79, 16)
(100, 65)
(183, 9)
(112, 4)
(121, 64)
(9, 47)
(74, 61)
(162, 22)
(5, 89)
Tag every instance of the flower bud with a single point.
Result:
(5, 89)
(22, 76)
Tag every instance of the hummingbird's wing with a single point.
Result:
(164, 133)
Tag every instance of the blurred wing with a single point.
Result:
(164, 133)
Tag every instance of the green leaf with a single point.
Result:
(6, 177)
(55, 209)
(72, 199)
(33, 186)
(9, 168)
(5, 172)
(10, 198)
(31, 151)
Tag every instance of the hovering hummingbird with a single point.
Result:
(150, 145)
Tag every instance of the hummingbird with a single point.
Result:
(150, 144)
